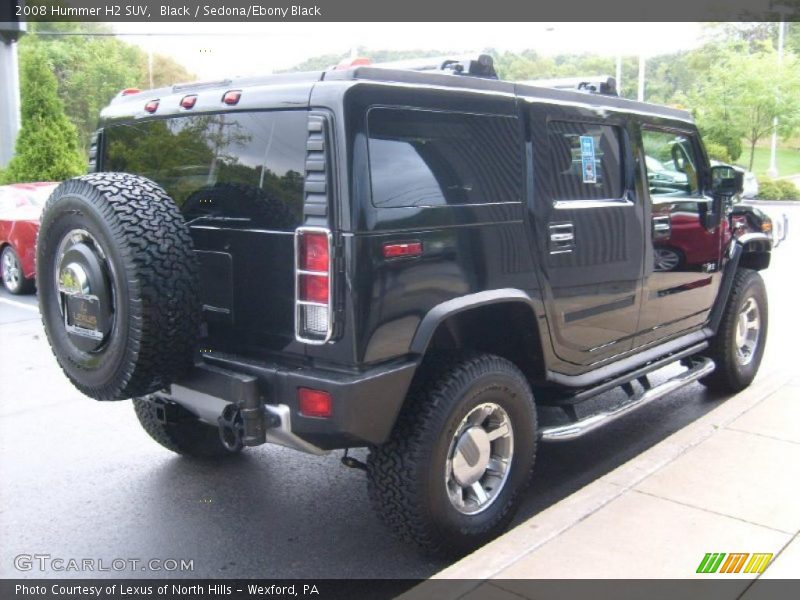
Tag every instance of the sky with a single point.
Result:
(218, 50)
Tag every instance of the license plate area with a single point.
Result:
(84, 316)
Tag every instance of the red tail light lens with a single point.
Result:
(314, 252)
(151, 106)
(314, 403)
(314, 288)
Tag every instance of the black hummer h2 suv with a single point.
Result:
(434, 264)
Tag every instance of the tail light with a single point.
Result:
(314, 403)
(313, 285)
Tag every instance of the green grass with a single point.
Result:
(788, 160)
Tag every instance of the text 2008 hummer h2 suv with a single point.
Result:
(436, 265)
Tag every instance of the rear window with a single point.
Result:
(585, 161)
(424, 158)
(247, 167)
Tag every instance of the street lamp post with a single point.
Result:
(640, 92)
(773, 154)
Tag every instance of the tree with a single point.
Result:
(93, 68)
(47, 145)
(743, 93)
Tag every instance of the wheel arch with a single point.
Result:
(504, 322)
(756, 251)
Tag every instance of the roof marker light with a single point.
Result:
(189, 101)
(130, 91)
(231, 97)
(350, 63)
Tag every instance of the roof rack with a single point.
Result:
(598, 84)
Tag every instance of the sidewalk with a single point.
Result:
(729, 482)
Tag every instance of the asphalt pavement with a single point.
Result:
(80, 480)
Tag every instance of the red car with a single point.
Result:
(20, 207)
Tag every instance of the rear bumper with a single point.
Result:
(365, 403)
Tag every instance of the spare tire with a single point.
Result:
(118, 285)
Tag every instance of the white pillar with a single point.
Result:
(9, 100)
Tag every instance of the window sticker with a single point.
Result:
(589, 174)
(587, 159)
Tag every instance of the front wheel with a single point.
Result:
(738, 346)
(451, 475)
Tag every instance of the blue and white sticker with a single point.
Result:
(587, 146)
(588, 164)
(589, 172)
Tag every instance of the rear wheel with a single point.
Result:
(451, 475)
(738, 346)
(11, 272)
(117, 281)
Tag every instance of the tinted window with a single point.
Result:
(585, 161)
(671, 163)
(246, 166)
(425, 158)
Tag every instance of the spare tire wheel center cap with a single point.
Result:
(85, 291)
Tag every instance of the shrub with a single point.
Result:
(718, 152)
(47, 145)
(777, 189)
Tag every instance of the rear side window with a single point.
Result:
(245, 167)
(585, 161)
(424, 158)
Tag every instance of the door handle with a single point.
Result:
(562, 238)
(662, 228)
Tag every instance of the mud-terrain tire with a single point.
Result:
(184, 434)
(746, 314)
(134, 241)
(237, 200)
(411, 478)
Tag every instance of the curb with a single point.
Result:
(530, 535)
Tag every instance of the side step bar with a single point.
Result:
(700, 367)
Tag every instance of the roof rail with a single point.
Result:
(598, 84)
(480, 66)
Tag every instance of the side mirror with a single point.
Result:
(726, 181)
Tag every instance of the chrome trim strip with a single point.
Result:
(579, 204)
(298, 303)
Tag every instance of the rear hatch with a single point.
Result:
(238, 178)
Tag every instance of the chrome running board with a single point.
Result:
(699, 368)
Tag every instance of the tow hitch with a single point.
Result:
(234, 403)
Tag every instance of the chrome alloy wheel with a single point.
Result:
(479, 458)
(748, 331)
(12, 273)
(665, 260)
